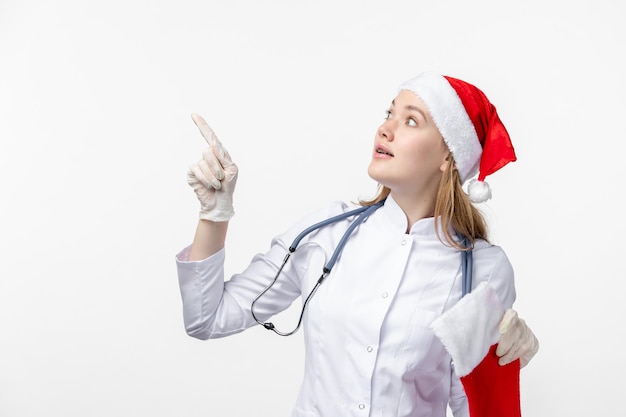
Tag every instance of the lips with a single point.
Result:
(382, 150)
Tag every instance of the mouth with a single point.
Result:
(382, 151)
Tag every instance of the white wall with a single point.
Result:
(96, 138)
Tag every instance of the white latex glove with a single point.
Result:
(213, 178)
(517, 340)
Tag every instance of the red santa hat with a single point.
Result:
(470, 126)
(470, 333)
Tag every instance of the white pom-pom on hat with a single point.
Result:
(479, 191)
(470, 126)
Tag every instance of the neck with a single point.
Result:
(414, 208)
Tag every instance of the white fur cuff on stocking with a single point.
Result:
(470, 328)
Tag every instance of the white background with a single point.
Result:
(96, 138)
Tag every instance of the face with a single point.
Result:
(409, 153)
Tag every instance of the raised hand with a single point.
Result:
(213, 178)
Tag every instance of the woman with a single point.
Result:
(368, 326)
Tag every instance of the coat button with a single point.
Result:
(361, 406)
(385, 295)
(369, 348)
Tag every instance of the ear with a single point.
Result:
(448, 161)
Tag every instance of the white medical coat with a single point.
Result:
(369, 348)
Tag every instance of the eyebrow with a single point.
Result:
(414, 108)
(417, 109)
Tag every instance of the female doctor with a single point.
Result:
(367, 311)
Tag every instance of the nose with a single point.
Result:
(386, 130)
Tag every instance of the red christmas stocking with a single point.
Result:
(469, 332)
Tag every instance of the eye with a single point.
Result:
(411, 122)
(387, 114)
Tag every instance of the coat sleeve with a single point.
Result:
(201, 286)
(458, 399)
(214, 308)
(494, 266)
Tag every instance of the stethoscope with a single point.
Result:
(363, 213)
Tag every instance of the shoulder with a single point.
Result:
(489, 252)
(327, 211)
(315, 216)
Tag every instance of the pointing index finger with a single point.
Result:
(205, 129)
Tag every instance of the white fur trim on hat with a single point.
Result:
(448, 112)
(470, 328)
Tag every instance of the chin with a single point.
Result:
(371, 172)
(376, 174)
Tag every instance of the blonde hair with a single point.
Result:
(453, 210)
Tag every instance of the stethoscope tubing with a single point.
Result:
(363, 213)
